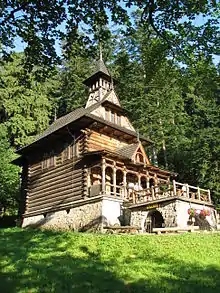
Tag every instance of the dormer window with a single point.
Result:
(112, 117)
(139, 158)
(118, 119)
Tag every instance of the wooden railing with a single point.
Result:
(177, 190)
(149, 194)
(153, 193)
(191, 192)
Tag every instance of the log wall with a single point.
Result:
(98, 141)
(56, 186)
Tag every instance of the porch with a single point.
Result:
(137, 186)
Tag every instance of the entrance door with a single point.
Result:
(154, 220)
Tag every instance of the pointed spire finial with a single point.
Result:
(138, 135)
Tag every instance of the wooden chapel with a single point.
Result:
(88, 165)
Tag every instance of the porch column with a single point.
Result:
(147, 180)
(103, 176)
(152, 192)
(156, 188)
(114, 180)
(139, 180)
(125, 183)
(174, 187)
(209, 195)
(187, 190)
(199, 196)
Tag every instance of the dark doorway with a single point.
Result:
(154, 220)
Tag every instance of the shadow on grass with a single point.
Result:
(33, 261)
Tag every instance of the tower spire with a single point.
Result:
(100, 51)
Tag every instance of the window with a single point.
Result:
(118, 119)
(107, 112)
(49, 161)
(112, 117)
(70, 151)
(139, 158)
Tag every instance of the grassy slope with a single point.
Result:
(34, 261)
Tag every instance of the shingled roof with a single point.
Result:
(62, 121)
(100, 69)
(128, 150)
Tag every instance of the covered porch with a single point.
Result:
(138, 184)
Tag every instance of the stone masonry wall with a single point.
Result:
(175, 214)
(168, 211)
(169, 214)
(87, 217)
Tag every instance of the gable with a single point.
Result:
(135, 152)
(109, 113)
(112, 97)
(140, 155)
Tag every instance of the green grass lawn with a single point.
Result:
(36, 261)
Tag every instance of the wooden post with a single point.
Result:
(187, 190)
(88, 180)
(125, 183)
(174, 187)
(209, 195)
(147, 183)
(139, 180)
(152, 192)
(199, 195)
(114, 180)
(103, 176)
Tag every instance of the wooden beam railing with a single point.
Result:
(191, 192)
(152, 193)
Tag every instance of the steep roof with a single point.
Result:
(61, 122)
(78, 114)
(100, 69)
(128, 150)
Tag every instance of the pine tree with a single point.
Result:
(24, 106)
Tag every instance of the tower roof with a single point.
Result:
(100, 70)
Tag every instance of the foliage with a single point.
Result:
(76, 67)
(24, 106)
(40, 24)
(9, 179)
(34, 261)
(177, 107)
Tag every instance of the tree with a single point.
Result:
(9, 175)
(76, 67)
(24, 106)
(201, 89)
(40, 23)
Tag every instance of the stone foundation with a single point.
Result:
(175, 214)
(94, 214)
(89, 216)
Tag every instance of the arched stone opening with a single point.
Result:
(154, 220)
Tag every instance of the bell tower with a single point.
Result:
(99, 83)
